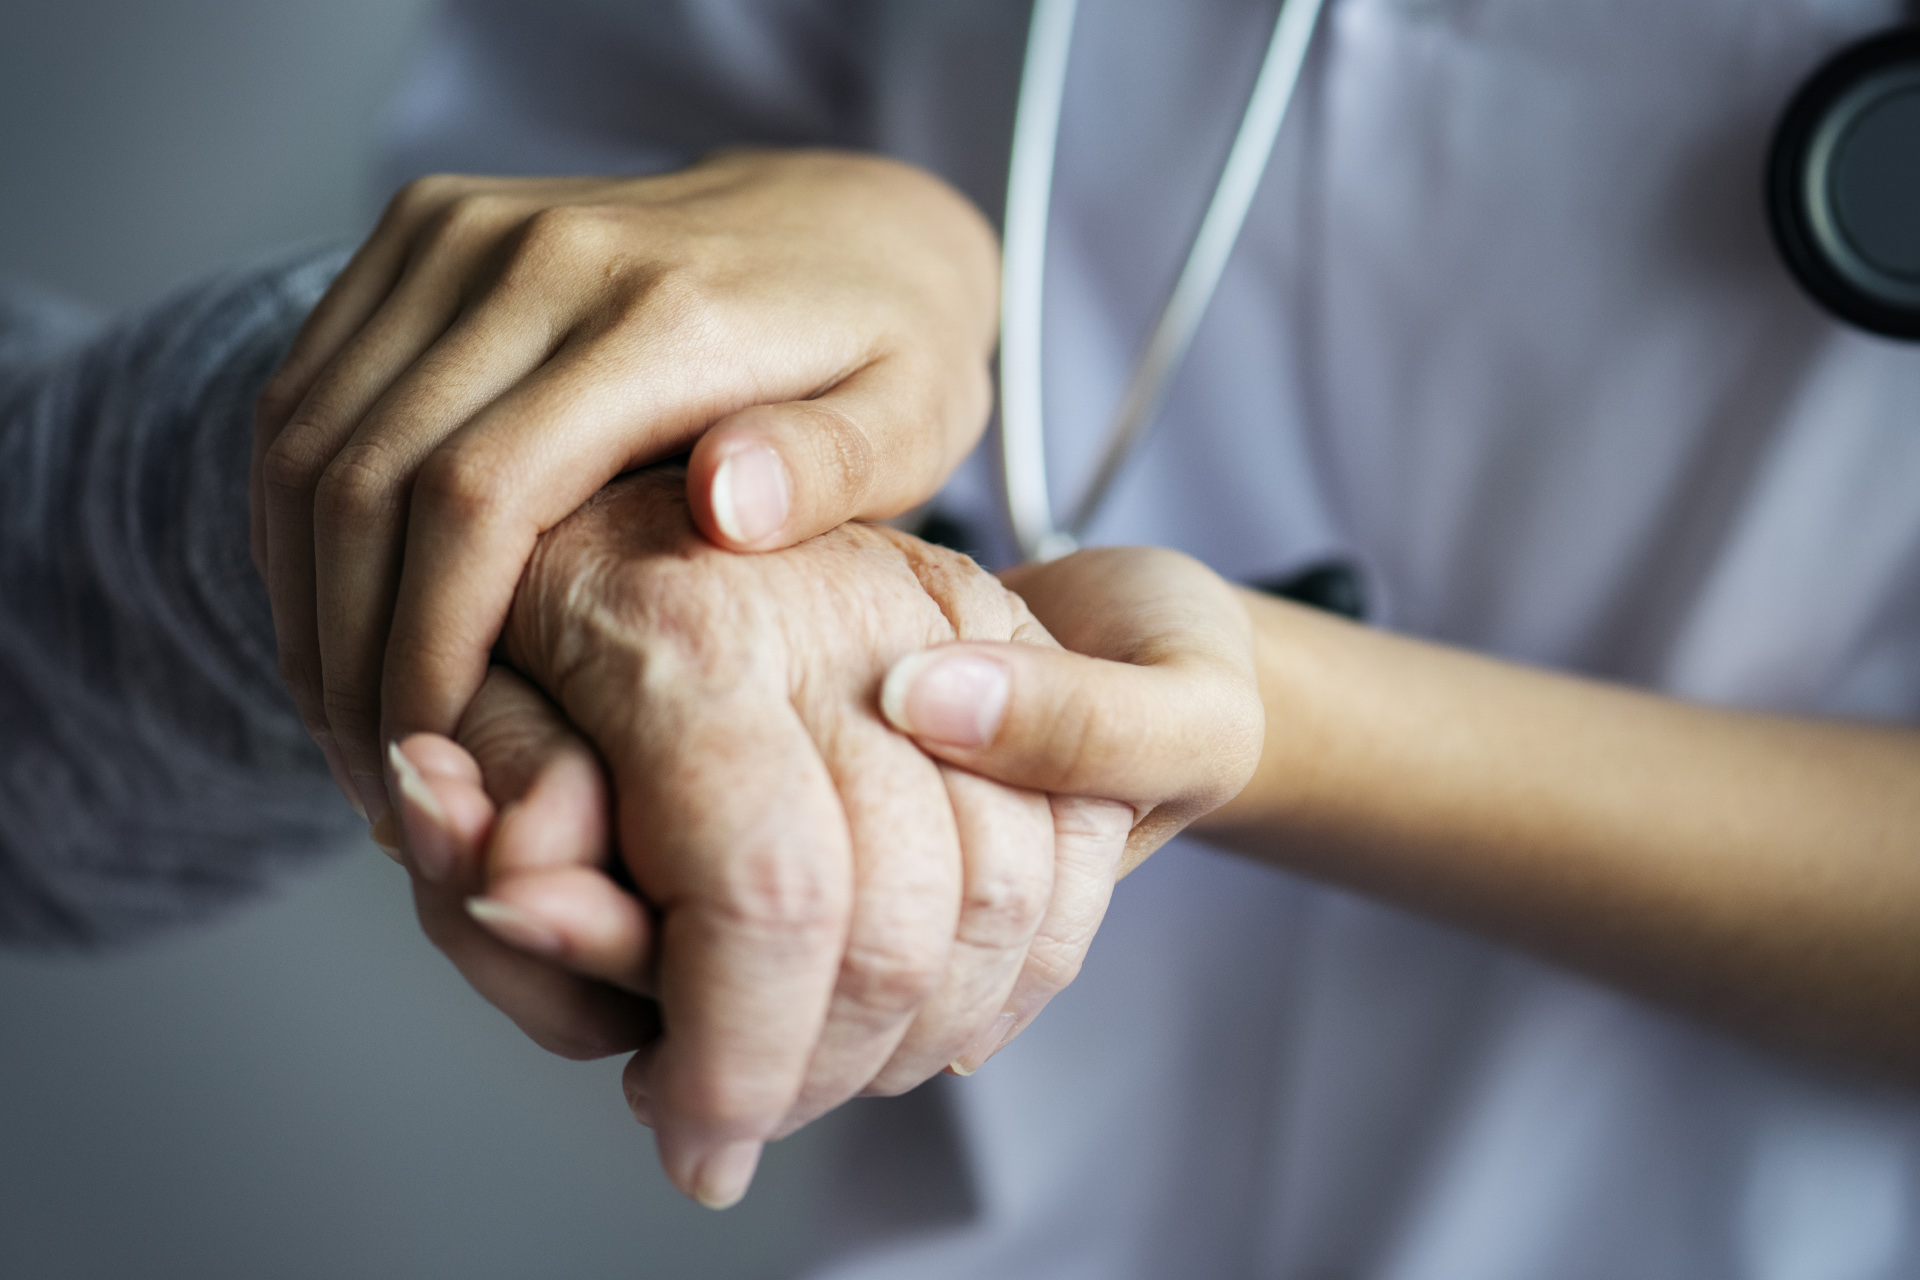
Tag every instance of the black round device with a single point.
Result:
(1843, 186)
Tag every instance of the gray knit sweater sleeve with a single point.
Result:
(151, 767)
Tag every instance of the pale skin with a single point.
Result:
(1759, 872)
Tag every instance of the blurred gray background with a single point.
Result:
(304, 1089)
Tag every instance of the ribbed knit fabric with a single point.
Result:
(152, 767)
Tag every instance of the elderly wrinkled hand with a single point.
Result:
(828, 910)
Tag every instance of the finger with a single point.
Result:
(360, 505)
(577, 918)
(442, 807)
(353, 297)
(754, 900)
(520, 778)
(546, 888)
(1089, 840)
(356, 293)
(873, 446)
(552, 789)
(561, 1012)
(907, 900)
(1007, 837)
(445, 811)
(406, 325)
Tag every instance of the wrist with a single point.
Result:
(1297, 663)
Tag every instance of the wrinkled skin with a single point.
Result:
(831, 911)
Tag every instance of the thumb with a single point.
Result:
(1175, 732)
(872, 447)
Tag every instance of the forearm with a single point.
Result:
(1761, 871)
(150, 765)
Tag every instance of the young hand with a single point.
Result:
(814, 325)
(1151, 700)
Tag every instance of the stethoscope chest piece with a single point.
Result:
(1843, 186)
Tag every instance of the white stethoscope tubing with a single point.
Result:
(1036, 136)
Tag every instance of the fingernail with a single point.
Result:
(984, 1045)
(639, 1101)
(515, 927)
(429, 839)
(751, 495)
(386, 837)
(722, 1179)
(956, 698)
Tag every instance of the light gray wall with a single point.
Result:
(305, 1089)
(143, 142)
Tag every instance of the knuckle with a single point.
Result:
(464, 486)
(673, 300)
(278, 398)
(456, 222)
(891, 974)
(475, 211)
(679, 294)
(781, 896)
(360, 483)
(562, 233)
(1003, 908)
(735, 1100)
(424, 195)
(1085, 830)
(1053, 963)
(350, 712)
(294, 461)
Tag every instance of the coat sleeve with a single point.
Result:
(152, 768)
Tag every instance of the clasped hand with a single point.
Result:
(873, 810)
(813, 326)
(830, 908)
